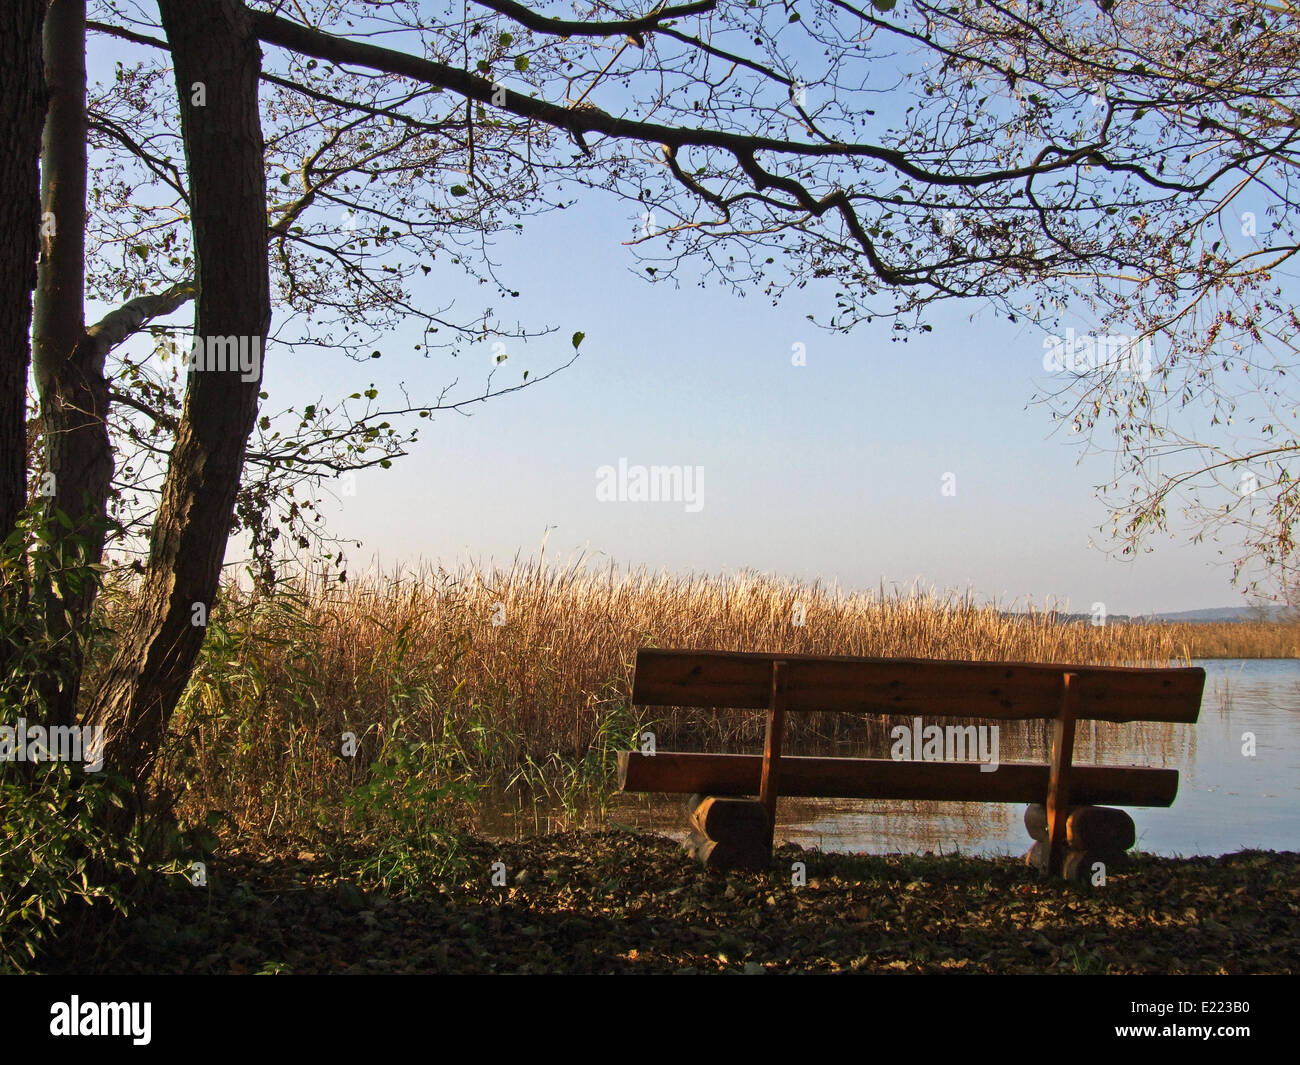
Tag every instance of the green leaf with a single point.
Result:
(504, 40)
(459, 190)
(883, 5)
(521, 63)
(578, 338)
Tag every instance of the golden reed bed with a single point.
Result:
(469, 675)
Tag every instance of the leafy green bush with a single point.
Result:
(405, 815)
(53, 855)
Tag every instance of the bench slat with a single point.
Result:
(928, 687)
(871, 778)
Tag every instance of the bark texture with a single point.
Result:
(22, 111)
(69, 368)
(212, 48)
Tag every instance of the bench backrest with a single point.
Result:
(1004, 691)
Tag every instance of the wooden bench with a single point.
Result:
(930, 689)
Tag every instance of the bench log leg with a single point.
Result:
(730, 834)
(1093, 833)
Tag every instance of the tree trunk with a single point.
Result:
(22, 110)
(69, 368)
(217, 64)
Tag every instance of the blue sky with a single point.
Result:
(833, 469)
(830, 470)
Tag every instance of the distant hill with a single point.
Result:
(1218, 613)
(1205, 616)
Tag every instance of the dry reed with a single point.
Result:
(471, 675)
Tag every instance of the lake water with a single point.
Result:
(1227, 800)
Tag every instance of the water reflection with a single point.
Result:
(1227, 800)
